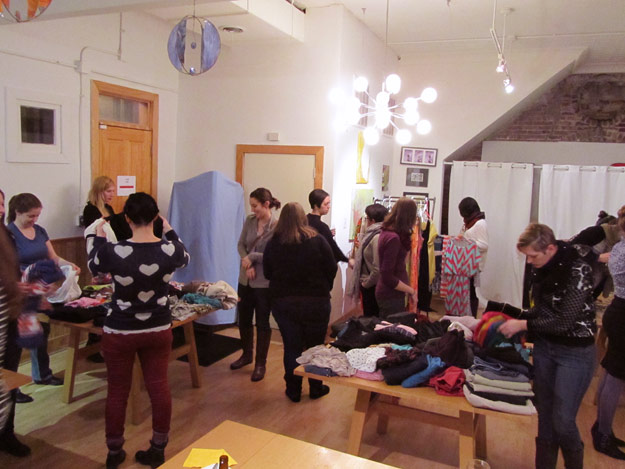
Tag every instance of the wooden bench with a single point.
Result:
(75, 352)
(421, 404)
(255, 448)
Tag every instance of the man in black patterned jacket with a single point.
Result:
(562, 321)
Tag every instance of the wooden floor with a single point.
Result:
(72, 436)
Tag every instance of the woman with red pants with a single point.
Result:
(139, 323)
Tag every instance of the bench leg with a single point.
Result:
(70, 365)
(194, 367)
(359, 417)
(480, 437)
(467, 440)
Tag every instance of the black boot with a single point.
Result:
(114, 459)
(594, 431)
(154, 456)
(605, 444)
(573, 457)
(247, 343)
(293, 387)
(546, 454)
(263, 339)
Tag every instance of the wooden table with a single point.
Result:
(76, 352)
(255, 448)
(14, 380)
(421, 404)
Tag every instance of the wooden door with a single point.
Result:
(124, 136)
(126, 152)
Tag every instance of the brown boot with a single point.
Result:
(247, 343)
(263, 339)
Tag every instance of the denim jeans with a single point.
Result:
(562, 375)
(119, 350)
(254, 300)
(303, 323)
(39, 358)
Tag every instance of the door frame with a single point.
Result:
(317, 152)
(150, 99)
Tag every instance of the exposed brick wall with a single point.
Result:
(581, 108)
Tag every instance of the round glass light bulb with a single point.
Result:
(411, 103)
(429, 95)
(403, 136)
(424, 127)
(509, 88)
(393, 83)
(353, 104)
(382, 98)
(336, 96)
(361, 84)
(382, 118)
(411, 117)
(371, 136)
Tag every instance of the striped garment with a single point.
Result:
(461, 260)
(4, 321)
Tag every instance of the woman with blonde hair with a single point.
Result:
(98, 201)
(300, 266)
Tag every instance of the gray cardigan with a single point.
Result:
(250, 244)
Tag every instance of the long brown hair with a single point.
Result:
(292, 226)
(402, 218)
(100, 184)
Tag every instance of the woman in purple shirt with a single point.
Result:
(393, 248)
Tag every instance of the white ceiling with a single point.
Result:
(417, 26)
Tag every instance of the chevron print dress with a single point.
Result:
(461, 260)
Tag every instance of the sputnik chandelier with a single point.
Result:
(383, 109)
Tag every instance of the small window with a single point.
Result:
(122, 110)
(37, 125)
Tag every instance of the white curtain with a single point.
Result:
(570, 197)
(504, 193)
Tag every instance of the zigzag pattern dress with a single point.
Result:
(461, 260)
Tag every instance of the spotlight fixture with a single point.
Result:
(502, 65)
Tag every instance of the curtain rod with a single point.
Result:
(565, 167)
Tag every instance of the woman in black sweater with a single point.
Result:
(99, 199)
(320, 204)
(301, 268)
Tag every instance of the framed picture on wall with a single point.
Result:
(417, 177)
(418, 156)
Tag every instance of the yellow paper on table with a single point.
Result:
(204, 457)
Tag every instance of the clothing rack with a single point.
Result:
(425, 204)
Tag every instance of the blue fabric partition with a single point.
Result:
(207, 212)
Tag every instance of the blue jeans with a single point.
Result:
(562, 375)
(303, 323)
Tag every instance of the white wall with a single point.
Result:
(41, 56)
(470, 98)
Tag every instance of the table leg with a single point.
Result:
(480, 437)
(194, 367)
(135, 393)
(70, 365)
(382, 417)
(359, 418)
(467, 440)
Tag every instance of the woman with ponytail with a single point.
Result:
(253, 286)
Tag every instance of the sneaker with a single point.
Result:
(113, 460)
(22, 398)
(10, 444)
(50, 381)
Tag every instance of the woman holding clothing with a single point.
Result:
(562, 323)
(33, 244)
(253, 286)
(320, 204)
(613, 383)
(393, 249)
(139, 322)
(301, 268)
